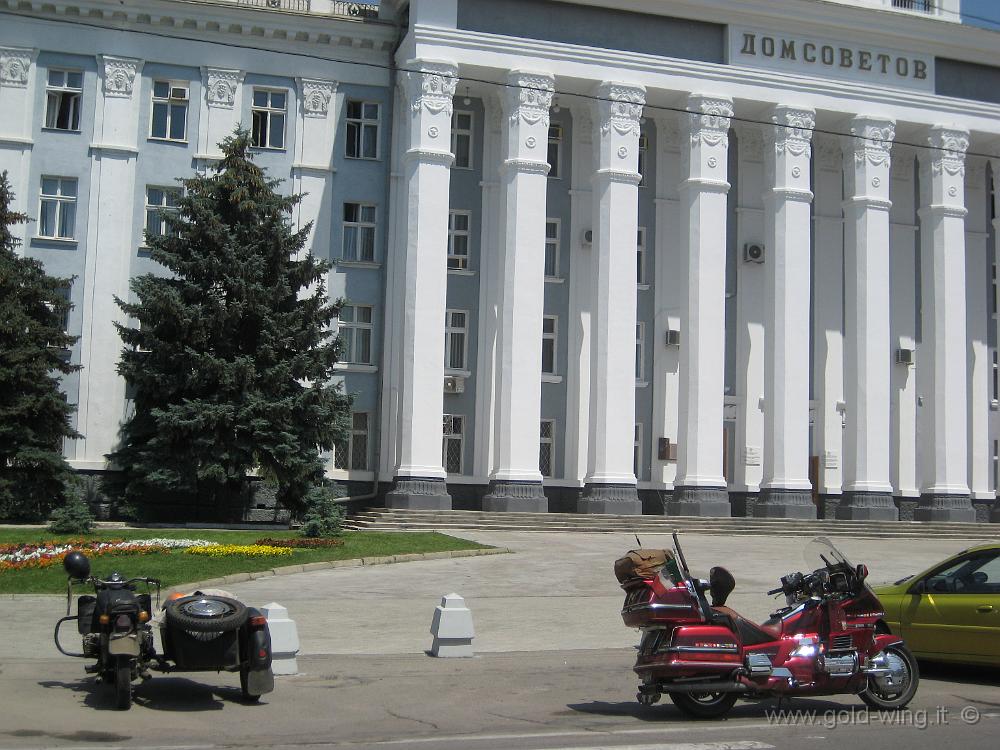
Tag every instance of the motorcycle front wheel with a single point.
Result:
(123, 683)
(899, 688)
(704, 705)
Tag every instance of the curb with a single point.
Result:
(357, 562)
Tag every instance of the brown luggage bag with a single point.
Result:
(641, 563)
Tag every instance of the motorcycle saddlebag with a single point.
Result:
(641, 563)
(85, 606)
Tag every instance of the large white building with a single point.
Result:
(691, 256)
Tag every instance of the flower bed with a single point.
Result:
(45, 554)
(246, 550)
(302, 542)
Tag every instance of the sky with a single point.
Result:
(985, 9)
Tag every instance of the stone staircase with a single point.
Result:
(390, 519)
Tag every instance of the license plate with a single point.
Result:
(126, 645)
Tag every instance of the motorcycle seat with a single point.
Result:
(750, 632)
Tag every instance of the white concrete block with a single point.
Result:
(284, 639)
(452, 628)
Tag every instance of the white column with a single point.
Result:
(867, 355)
(944, 371)
(903, 332)
(700, 489)
(977, 275)
(786, 491)
(828, 315)
(581, 302)
(220, 110)
(17, 110)
(995, 259)
(516, 482)
(312, 170)
(667, 295)
(108, 260)
(420, 478)
(610, 483)
(748, 388)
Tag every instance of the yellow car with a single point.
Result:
(950, 612)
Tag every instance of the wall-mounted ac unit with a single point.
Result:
(587, 236)
(904, 356)
(667, 450)
(673, 338)
(753, 253)
(454, 384)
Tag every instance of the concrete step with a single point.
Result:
(387, 519)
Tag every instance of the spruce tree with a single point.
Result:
(229, 366)
(34, 413)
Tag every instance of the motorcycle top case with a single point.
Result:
(643, 563)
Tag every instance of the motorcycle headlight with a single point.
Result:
(807, 648)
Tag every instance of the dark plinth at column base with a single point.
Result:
(515, 497)
(700, 501)
(995, 513)
(780, 502)
(612, 499)
(867, 506)
(935, 507)
(418, 493)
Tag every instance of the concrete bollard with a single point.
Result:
(452, 628)
(284, 639)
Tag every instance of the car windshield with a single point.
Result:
(821, 554)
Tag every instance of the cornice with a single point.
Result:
(339, 36)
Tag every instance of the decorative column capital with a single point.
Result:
(946, 152)
(316, 96)
(793, 129)
(529, 97)
(221, 86)
(619, 107)
(870, 141)
(15, 64)
(431, 86)
(119, 75)
(708, 124)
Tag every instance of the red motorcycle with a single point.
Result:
(828, 640)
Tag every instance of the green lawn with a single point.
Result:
(175, 567)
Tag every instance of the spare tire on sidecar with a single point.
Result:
(208, 631)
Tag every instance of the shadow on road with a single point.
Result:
(665, 710)
(959, 673)
(157, 694)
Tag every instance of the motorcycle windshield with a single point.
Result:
(820, 554)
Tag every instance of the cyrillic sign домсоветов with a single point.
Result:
(831, 59)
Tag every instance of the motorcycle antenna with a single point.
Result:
(637, 539)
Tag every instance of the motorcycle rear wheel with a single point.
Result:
(885, 699)
(704, 705)
(123, 684)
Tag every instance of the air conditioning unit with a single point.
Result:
(904, 356)
(454, 384)
(587, 236)
(673, 338)
(667, 450)
(753, 253)
(179, 92)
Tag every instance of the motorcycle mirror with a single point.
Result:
(862, 572)
(77, 565)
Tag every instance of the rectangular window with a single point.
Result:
(546, 447)
(452, 443)
(643, 147)
(362, 129)
(993, 288)
(356, 334)
(170, 105)
(57, 212)
(555, 150)
(640, 256)
(359, 232)
(456, 336)
(268, 115)
(458, 239)
(552, 248)
(353, 455)
(996, 377)
(640, 351)
(63, 95)
(160, 201)
(550, 333)
(637, 451)
(461, 139)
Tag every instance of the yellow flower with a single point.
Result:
(246, 550)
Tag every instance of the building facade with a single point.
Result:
(677, 257)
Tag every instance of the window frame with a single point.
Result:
(550, 441)
(161, 208)
(457, 132)
(356, 328)
(555, 138)
(553, 244)
(449, 331)
(63, 90)
(270, 111)
(359, 124)
(362, 226)
(170, 103)
(640, 352)
(60, 200)
(637, 441)
(640, 253)
(643, 151)
(452, 436)
(344, 453)
(453, 233)
(552, 339)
